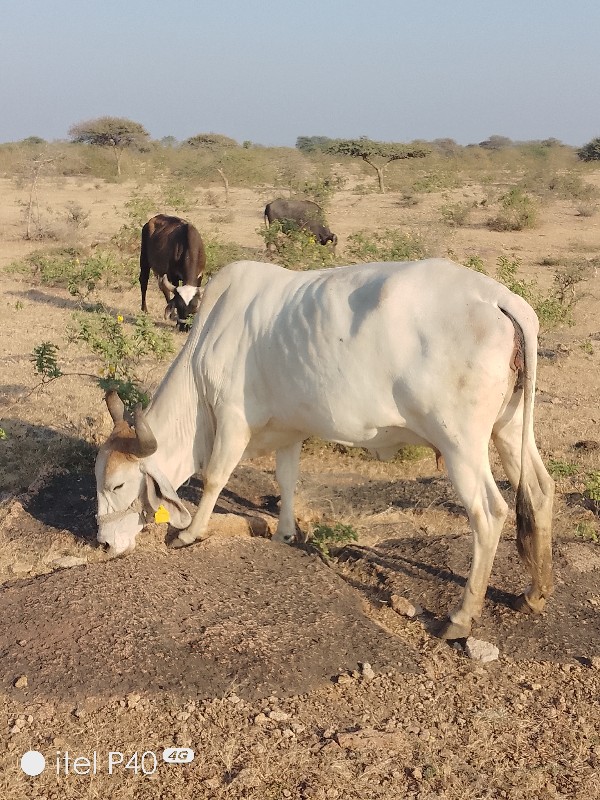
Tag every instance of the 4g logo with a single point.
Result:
(178, 755)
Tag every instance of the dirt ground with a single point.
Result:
(289, 677)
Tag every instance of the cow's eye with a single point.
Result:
(120, 486)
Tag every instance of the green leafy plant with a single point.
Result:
(476, 263)
(81, 274)
(120, 351)
(219, 253)
(592, 488)
(553, 309)
(561, 469)
(456, 214)
(387, 245)
(295, 248)
(517, 212)
(587, 531)
(45, 362)
(323, 537)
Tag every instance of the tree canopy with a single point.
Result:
(590, 151)
(313, 144)
(210, 141)
(118, 133)
(376, 154)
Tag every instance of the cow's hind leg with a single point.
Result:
(535, 494)
(286, 473)
(475, 485)
(231, 438)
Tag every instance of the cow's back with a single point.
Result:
(316, 350)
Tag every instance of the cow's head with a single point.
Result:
(183, 305)
(128, 483)
(325, 236)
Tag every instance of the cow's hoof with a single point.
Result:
(177, 543)
(450, 631)
(527, 606)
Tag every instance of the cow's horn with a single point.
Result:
(146, 443)
(167, 283)
(116, 409)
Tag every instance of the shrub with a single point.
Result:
(120, 352)
(592, 489)
(437, 181)
(387, 245)
(476, 263)
(69, 268)
(219, 253)
(456, 214)
(517, 212)
(552, 309)
(323, 537)
(294, 247)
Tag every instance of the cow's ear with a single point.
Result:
(160, 493)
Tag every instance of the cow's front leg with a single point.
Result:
(232, 437)
(286, 473)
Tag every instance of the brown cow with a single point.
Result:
(172, 248)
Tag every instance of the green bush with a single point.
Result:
(553, 309)
(120, 350)
(437, 181)
(517, 212)
(456, 214)
(69, 268)
(295, 248)
(219, 253)
(323, 537)
(387, 245)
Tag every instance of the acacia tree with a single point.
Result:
(117, 133)
(376, 154)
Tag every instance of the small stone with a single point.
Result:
(22, 642)
(367, 672)
(21, 682)
(278, 716)
(482, 651)
(260, 719)
(344, 679)
(595, 662)
(133, 699)
(403, 606)
(66, 562)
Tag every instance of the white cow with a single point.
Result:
(373, 355)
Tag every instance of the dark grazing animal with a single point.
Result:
(305, 214)
(173, 249)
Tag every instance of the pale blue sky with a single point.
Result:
(270, 72)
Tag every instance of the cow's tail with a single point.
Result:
(531, 542)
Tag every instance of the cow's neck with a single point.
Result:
(173, 418)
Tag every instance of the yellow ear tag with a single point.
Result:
(161, 514)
